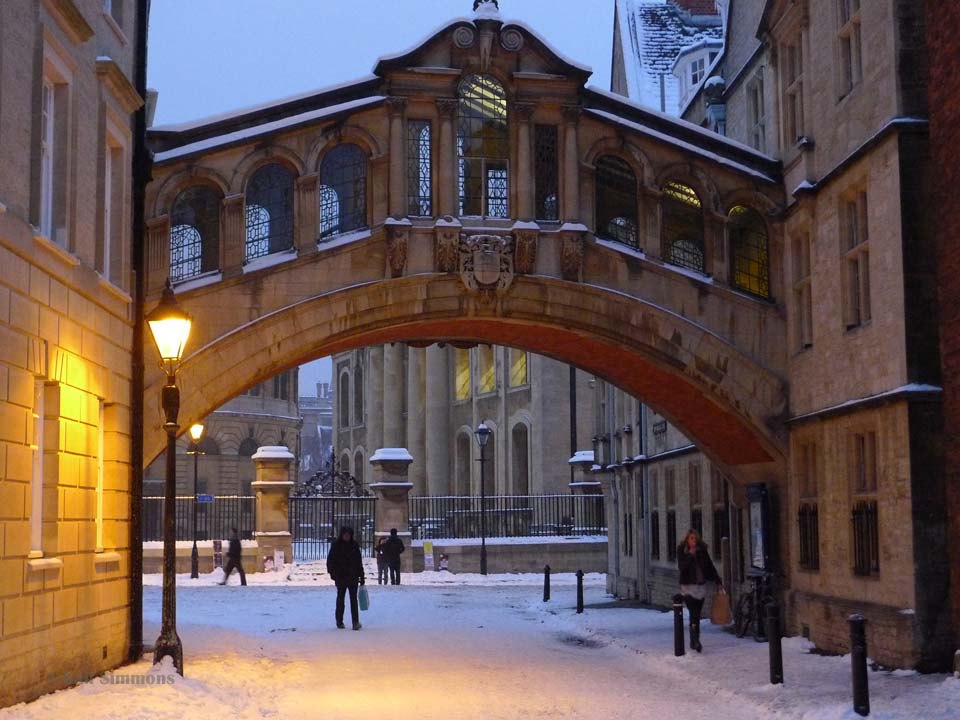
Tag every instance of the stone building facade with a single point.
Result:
(67, 139)
(316, 435)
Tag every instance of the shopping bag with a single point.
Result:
(720, 611)
(363, 598)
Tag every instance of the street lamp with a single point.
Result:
(196, 432)
(170, 327)
(483, 434)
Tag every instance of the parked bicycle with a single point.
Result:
(750, 613)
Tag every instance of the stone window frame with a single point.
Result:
(802, 282)
(670, 493)
(863, 485)
(53, 217)
(792, 57)
(654, 489)
(757, 111)
(546, 153)
(419, 168)
(513, 355)
(344, 174)
(749, 242)
(854, 230)
(807, 481)
(849, 46)
(501, 158)
(484, 372)
(622, 214)
(210, 248)
(359, 401)
(112, 261)
(681, 203)
(343, 400)
(276, 198)
(695, 492)
(462, 386)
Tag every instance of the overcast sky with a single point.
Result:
(210, 56)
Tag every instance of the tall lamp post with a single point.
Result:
(196, 432)
(483, 434)
(170, 327)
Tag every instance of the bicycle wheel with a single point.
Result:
(744, 614)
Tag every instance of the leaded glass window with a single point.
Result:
(419, 181)
(194, 233)
(546, 173)
(343, 191)
(269, 211)
(616, 187)
(483, 148)
(749, 252)
(682, 227)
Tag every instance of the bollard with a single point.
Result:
(776, 650)
(546, 583)
(858, 661)
(579, 591)
(678, 641)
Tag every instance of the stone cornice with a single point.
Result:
(119, 85)
(70, 19)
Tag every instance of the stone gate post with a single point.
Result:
(391, 486)
(272, 487)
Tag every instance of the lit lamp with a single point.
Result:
(196, 432)
(170, 327)
(483, 434)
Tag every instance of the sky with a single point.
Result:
(211, 56)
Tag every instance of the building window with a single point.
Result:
(721, 525)
(483, 148)
(343, 402)
(37, 417)
(671, 492)
(659, 435)
(419, 177)
(518, 367)
(865, 522)
(802, 295)
(358, 468)
(54, 153)
(654, 516)
(696, 497)
(100, 476)
(791, 71)
(343, 191)
(757, 113)
(851, 66)
(616, 200)
(521, 459)
(546, 173)
(697, 70)
(749, 252)
(269, 211)
(462, 380)
(856, 260)
(682, 227)
(114, 8)
(486, 369)
(808, 514)
(281, 386)
(358, 390)
(249, 446)
(110, 251)
(194, 233)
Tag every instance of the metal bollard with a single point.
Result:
(579, 591)
(776, 649)
(678, 640)
(858, 661)
(546, 583)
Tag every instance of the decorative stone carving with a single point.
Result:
(511, 40)
(396, 105)
(446, 107)
(525, 250)
(398, 239)
(486, 265)
(571, 255)
(571, 113)
(464, 37)
(447, 232)
(523, 111)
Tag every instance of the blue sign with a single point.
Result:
(205, 498)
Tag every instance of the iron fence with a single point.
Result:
(455, 517)
(866, 538)
(214, 519)
(316, 521)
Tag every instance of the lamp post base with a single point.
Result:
(194, 562)
(168, 644)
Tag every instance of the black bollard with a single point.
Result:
(776, 650)
(579, 591)
(546, 583)
(858, 661)
(678, 641)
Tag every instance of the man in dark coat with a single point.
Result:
(234, 558)
(392, 550)
(345, 566)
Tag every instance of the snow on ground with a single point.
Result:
(461, 650)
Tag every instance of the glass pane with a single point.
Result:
(616, 200)
(418, 168)
(269, 200)
(344, 170)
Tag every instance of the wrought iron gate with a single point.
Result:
(315, 522)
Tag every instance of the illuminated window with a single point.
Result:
(749, 252)
(100, 478)
(462, 390)
(616, 200)
(483, 148)
(194, 233)
(343, 191)
(419, 181)
(36, 479)
(682, 227)
(269, 202)
(487, 369)
(518, 367)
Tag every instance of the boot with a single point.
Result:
(695, 637)
(357, 626)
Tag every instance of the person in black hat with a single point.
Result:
(345, 566)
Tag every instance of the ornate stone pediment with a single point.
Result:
(486, 264)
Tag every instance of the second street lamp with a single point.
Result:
(196, 432)
(483, 434)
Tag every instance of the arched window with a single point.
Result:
(358, 467)
(248, 447)
(358, 395)
(345, 462)
(343, 191)
(343, 402)
(749, 252)
(483, 148)
(682, 227)
(209, 446)
(194, 233)
(462, 486)
(616, 187)
(521, 460)
(269, 202)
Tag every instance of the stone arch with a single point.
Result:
(343, 134)
(621, 147)
(693, 175)
(343, 398)
(752, 199)
(176, 183)
(256, 159)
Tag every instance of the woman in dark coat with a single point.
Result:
(696, 570)
(345, 567)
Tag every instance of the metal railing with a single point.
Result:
(458, 517)
(315, 523)
(808, 526)
(866, 538)
(214, 519)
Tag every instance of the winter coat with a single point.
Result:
(687, 563)
(392, 549)
(234, 551)
(344, 563)
(381, 557)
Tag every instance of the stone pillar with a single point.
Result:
(393, 431)
(612, 512)
(233, 237)
(438, 431)
(446, 158)
(272, 487)
(416, 419)
(373, 397)
(391, 486)
(584, 481)
(397, 203)
(525, 180)
(571, 164)
(307, 228)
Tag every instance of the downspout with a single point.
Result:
(141, 175)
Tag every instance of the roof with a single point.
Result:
(653, 33)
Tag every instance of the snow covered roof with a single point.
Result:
(653, 33)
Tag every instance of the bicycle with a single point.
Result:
(750, 614)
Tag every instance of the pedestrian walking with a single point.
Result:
(696, 570)
(392, 549)
(381, 562)
(234, 558)
(345, 567)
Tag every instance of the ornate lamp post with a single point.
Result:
(196, 432)
(483, 434)
(170, 327)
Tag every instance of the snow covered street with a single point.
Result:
(443, 649)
